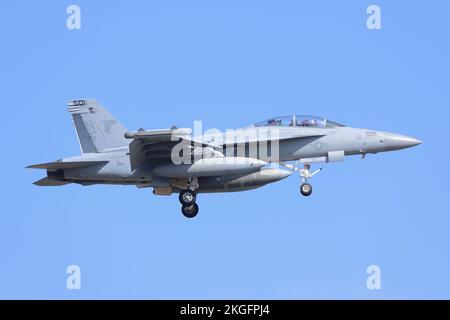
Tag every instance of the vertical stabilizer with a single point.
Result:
(97, 129)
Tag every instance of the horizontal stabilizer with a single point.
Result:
(65, 165)
(46, 182)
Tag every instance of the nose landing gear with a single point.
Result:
(305, 189)
(305, 174)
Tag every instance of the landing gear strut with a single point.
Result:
(305, 174)
(187, 199)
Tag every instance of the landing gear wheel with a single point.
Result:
(190, 211)
(187, 197)
(306, 189)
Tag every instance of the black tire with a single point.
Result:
(306, 189)
(190, 211)
(187, 197)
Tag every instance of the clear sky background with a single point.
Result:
(228, 63)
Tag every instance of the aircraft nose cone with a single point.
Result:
(395, 141)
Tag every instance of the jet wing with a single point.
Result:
(158, 144)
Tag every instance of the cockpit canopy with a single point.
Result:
(299, 121)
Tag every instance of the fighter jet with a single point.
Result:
(176, 161)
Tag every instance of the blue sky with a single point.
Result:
(228, 63)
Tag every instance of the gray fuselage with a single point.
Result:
(318, 146)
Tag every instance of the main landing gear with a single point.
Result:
(190, 211)
(187, 199)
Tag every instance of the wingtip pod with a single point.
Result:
(129, 134)
(158, 133)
